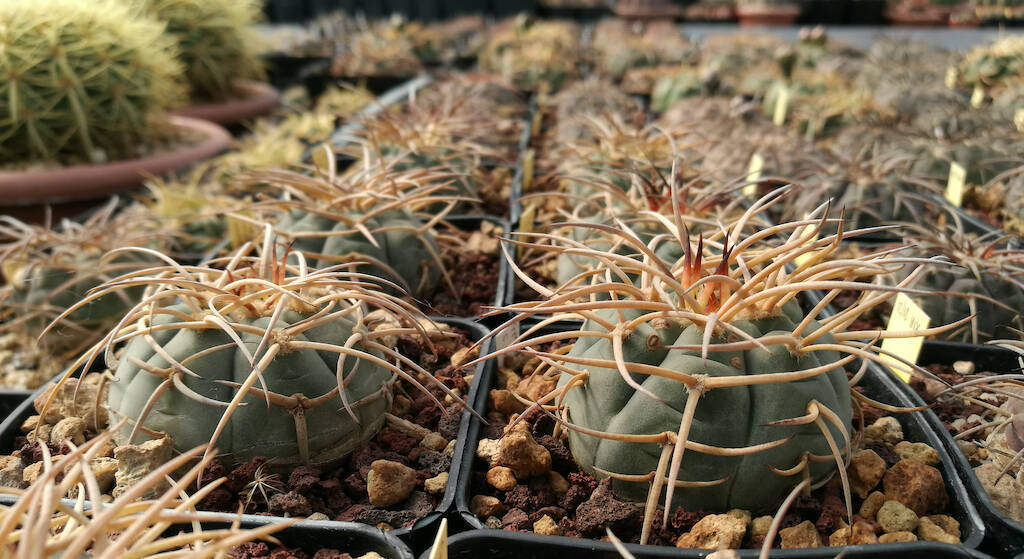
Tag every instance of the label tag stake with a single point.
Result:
(526, 225)
(781, 104)
(810, 239)
(906, 315)
(955, 186)
(440, 548)
(978, 96)
(753, 174)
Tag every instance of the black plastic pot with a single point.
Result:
(285, 70)
(346, 537)
(866, 12)
(879, 385)
(418, 535)
(495, 544)
(1004, 537)
(825, 11)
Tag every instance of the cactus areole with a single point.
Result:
(733, 417)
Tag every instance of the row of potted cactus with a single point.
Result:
(692, 338)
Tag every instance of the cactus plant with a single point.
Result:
(211, 352)
(376, 218)
(532, 54)
(216, 42)
(83, 81)
(124, 526)
(706, 379)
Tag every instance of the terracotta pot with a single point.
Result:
(928, 18)
(78, 182)
(767, 15)
(260, 98)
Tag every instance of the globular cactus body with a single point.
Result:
(729, 417)
(409, 255)
(215, 41)
(255, 429)
(82, 81)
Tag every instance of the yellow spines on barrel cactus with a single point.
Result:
(215, 39)
(82, 81)
(699, 378)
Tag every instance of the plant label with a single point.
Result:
(907, 316)
(955, 186)
(505, 338)
(527, 166)
(526, 224)
(241, 231)
(753, 174)
(806, 234)
(978, 97)
(440, 547)
(951, 77)
(781, 104)
(1018, 119)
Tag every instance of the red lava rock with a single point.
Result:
(250, 550)
(289, 504)
(833, 511)
(355, 486)
(288, 553)
(433, 461)
(219, 500)
(396, 441)
(604, 510)
(561, 458)
(350, 514)
(331, 554)
(519, 497)
(543, 494)
(448, 425)
(242, 475)
(303, 479)
(683, 520)
(556, 513)
(516, 519)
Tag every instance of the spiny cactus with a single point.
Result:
(256, 357)
(39, 525)
(983, 279)
(373, 218)
(51, 270)
(83, 81)
(216, 42)
(533, 55)
(705, 378)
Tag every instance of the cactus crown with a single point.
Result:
(215, 40)
(719, 323)
(83, 81)
(39, 525)
(261, 312)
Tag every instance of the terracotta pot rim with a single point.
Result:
(82, 182)
(260, 98)
(776, 11)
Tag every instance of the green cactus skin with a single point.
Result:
(82, 81)
(254, 429)
(726, 417)
(992, 321)
(216, 42)
(670, 89)
(408, 254)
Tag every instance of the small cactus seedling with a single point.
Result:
(532, 54)
(705, 378)
(369, 217)
(256, 357)
(83, 81)
(39, 525)
(215, 40)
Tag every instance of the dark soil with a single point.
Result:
(254, 550)
(874, 319)
(340, 493)
(474, 277)
(494, 188)
(589, 506)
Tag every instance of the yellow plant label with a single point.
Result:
(506, 337)
(781, 104)
(951, 77)
(906, 316)
(528, 159)
(809, 238)
(440, 548)
(1018, 119)
(526, 224)
(978, 97)
(753, 174)
(955, 186)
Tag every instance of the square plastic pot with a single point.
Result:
(418, 535)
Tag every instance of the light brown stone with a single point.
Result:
(895, 517)
(558, 483)
(32, 472)
(947, 523)
(869, 508)
(546, 526)
(929, 531)
(12, 472)
(437, 484)
(485, 505)
(714, 531)
(897, 537)
(134, 462)
(501, 478)
(803, 535)
(535, 387)
(760, 525)
(434, 441)
(917, 451)
(885, 429)
(389, 483)
(917, 486)
(505, 402)
(527, 458)
(69, 428)
(866, 470)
